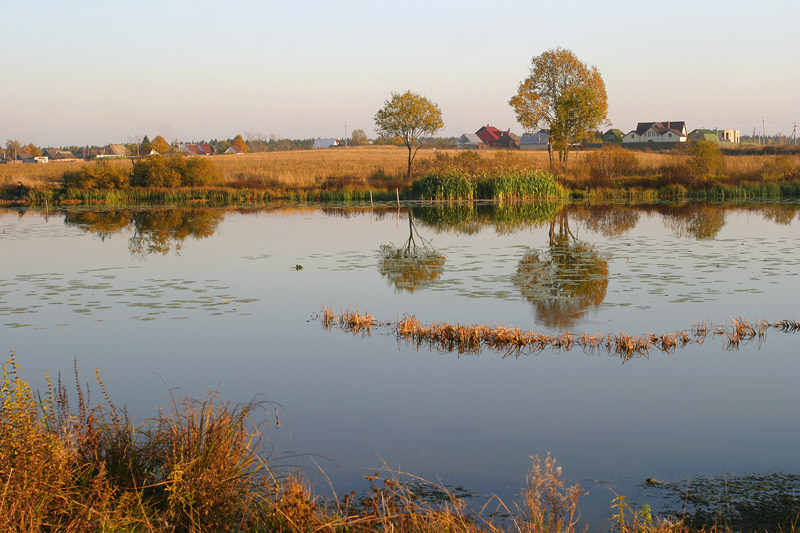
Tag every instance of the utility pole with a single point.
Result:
(794, 134)
(754, 133)
(763, 133)
(345, 134)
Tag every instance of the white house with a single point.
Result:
(657, 132)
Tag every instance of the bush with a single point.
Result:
(175, 171)
(706, 159)
(98, 175)
(610, 162)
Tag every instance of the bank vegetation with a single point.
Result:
(698, 170)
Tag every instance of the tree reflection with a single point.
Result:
(609, 220)
(565, 280)
(699, 221)
(155, 231)
(103, 223)
(161, 231)
(413, 265)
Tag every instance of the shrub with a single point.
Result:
(610, 162)
(158, 171)
(98, 175)
(200, 171)
(781, 167)
(175, 171)
(706, 159)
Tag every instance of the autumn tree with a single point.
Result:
(358, 137)
(563, 96)
(160, 145)
(410, 116)
(13, 147)
(238, 142)
(33, 150)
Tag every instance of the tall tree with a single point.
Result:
(146, 146)
(562, 95)
(160, 145)
(33, 150)
(13, 147)
(410, 116)
(238, 142)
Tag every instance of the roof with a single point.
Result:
(488, 134)
(540, 137)
(614, 131)
(661, 127)
(706, 134)
(324, 143)
(116, 149)
(234, 150)
(469, 138)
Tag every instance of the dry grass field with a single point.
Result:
(307, 169)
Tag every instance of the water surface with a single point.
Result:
(213, 299)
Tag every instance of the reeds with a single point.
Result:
(514, 342)
(200, 466)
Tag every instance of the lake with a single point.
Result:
(227, 300)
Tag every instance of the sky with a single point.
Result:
(107, 72)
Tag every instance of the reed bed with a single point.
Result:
(513, 342)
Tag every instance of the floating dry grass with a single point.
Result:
(514, 342)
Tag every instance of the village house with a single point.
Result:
(324, 143)
(535, 141)
(657, 132)
(61, 156)
(489, 135)
(613, 136)
(233, 150)
(113, 151)
(715, 135)
(193, 149)
(508, 140)
(470, 141)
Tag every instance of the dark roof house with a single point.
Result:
(508, 140)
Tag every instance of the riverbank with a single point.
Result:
(377, 173)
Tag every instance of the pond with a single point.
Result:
(228, 300)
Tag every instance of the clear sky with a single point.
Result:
(98, 72)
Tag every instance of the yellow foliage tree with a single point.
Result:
(238, 142)
(410, 116)
(561, 95)
(160, 145)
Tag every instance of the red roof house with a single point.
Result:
(489, 134)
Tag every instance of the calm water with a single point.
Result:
(213, 300)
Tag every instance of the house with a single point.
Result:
(489, 135)
(324, 143)
(535, 141)
(729, 136)
(233, 150)
(54, 154)
(508, 140)
(657, 132)
(36, 159)
(193, 149)
(703, 135)
(612, 136)
(116, 150)
(470, 141)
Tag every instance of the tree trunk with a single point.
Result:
(408, 175)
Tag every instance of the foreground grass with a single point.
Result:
(198, 466)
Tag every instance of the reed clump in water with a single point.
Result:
(514, 342)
